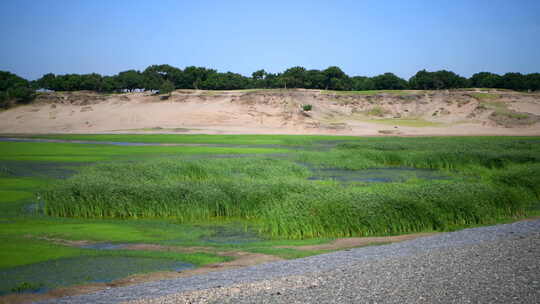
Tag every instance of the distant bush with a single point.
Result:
(307, 107)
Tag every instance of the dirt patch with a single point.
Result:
(346, 243)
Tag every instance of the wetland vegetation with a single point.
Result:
(276, 191)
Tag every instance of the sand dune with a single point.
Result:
(460, 112)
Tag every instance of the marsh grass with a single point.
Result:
(493, 179)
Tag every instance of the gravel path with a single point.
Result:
(496, 264)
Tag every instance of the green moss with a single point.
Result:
(16, 251)
(293, 140)
(24, 251)
(67, 152)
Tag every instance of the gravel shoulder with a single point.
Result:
(495, 264)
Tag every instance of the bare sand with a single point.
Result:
(411, 113)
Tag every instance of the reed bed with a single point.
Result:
(493, 179)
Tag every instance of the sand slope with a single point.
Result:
(460, 112)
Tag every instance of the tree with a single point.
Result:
(225, 81)
(130, 80)
(360, 83)
(166, 87)
(110, 84)
(513, 81)
(389, 81)
(9, 80)
(532, 82)
(315, 79)
(47, 81)
(486, 80)
(335, 79)
(294, 77)
(424, 80)
(192, 77)
(258, 79)
(91, 82)
(155, 75)
(14, 89)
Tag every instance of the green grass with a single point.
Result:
(101, 231)
(68, 152)
(292, 140)
(20, 251)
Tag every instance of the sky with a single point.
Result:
(362, 37)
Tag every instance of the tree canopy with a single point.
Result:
(164, 77)
(14, 90)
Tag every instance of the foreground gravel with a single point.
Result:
(496, 264)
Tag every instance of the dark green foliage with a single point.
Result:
(514, 81)
(336, 79)
(192, 77)
(225, 81)
(14, 90)
(532, 81)
(307, 107)
(424, 80)
(294, 77)
(486, 80)
(360, 83)
(389, 81)
(9, 80)
(130, 80)
(331, 78)
(166, 87)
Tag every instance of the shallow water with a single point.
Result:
(44, 276)
(38, 169)
(377, 175)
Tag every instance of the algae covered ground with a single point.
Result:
(61, 201)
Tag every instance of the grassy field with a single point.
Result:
(197, 195)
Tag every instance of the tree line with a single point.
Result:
(166, 78)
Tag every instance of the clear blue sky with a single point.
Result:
(362, 37)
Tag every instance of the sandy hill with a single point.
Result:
(455, 112)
